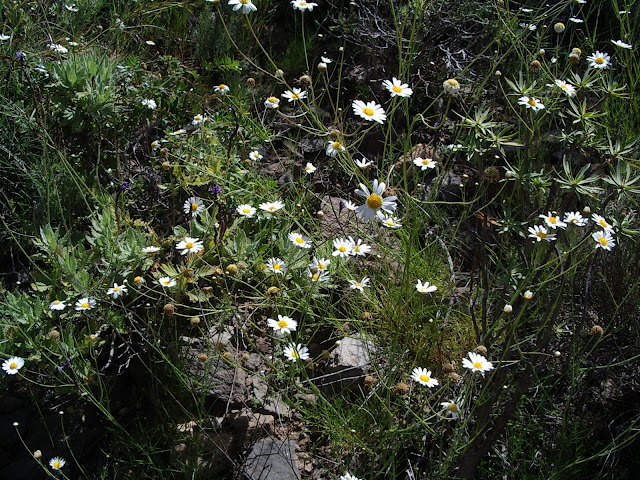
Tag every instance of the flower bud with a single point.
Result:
(559, 27)
(169, 309)
(508, 309)
(528, 295)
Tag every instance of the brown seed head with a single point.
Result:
(169, 309)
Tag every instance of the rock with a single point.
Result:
(352, 359)
(272, 460)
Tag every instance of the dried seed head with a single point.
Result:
(169, 309)
(54, 335)
(559, 27)
(481, 350)
(491, 174)
(454, 377)
(273, 291)
(227, 356)
(195, 321)
(370, 381)
(596, 331)
(305, 80)
(251, 82)
(535, 65)
(366, 316)
(448, 368)
(202, 358)
(245, 357)
(232, 269)
(401, 388)
(164, 152)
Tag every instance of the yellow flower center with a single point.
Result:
(343, 249)
(368, 112)
(282, 323)
(194, 207)
(599, 60)
(356, 248)
(300, 240)
(197, 117)
(396, 89)
(603, 241)
(452, 407)
(425, 161)
(553, 220)
(477, 365)
(167, 282)
(272, 208)
(424, 378)
(336, 145)
(277, 266)
(246, 210)
(13, 365)
(321, 266)
(188, 245)
(116, 289)
(295, 354)
(272, 100)
(564, 86)
(358, 284)
(56, 302)
(374, 201)
(532, 102)
(222, 86)
(603, 223)
(315, 276)
(295, 96)
(137, 279)
(540, 235)
(85, 305)
(303, 3)
(56, 465)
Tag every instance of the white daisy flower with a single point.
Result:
(56, 47)
(271, 207)
(451, 409)
(369, 111)
(167, 282)
(57, 305)
(397, 88)
(320, 264)
(342, 247)
(189, 245)
(198, 119)
(423, 377)
(359, 248)
(553, 221)
(364, 163)
(150, 103)
(599, 60)
(576, 20)
(621, 44)
(277, 266)
(255, 156)
(222, 89)
(375, 205)
(151, 249)
(85, 303)
(539, 233)
(425, 287)
(193, 206)
(246, 6)
(272, 102)
(293, 95)
(348, 476)
(155, 145)
(56, 463)
(180, 131)
(390, 221)
(72, 7)
(349, 205)
(602, 222)
(424, 163)
(604, 239)
(360, 286)
(295, 352)
(532, 103)
(12, 365)
(566, 87)
(477, 363)
(299, 240)
(303, 5)
(326, 60)
(451, 86)
(318, 276)
(246, 210)
(333, 148)
(150, 42)
(283, 325)
(117, 290)
(574, 218)
(4, 38)
(529, 26)
(310, 168)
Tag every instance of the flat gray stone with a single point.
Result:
(272, 460)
